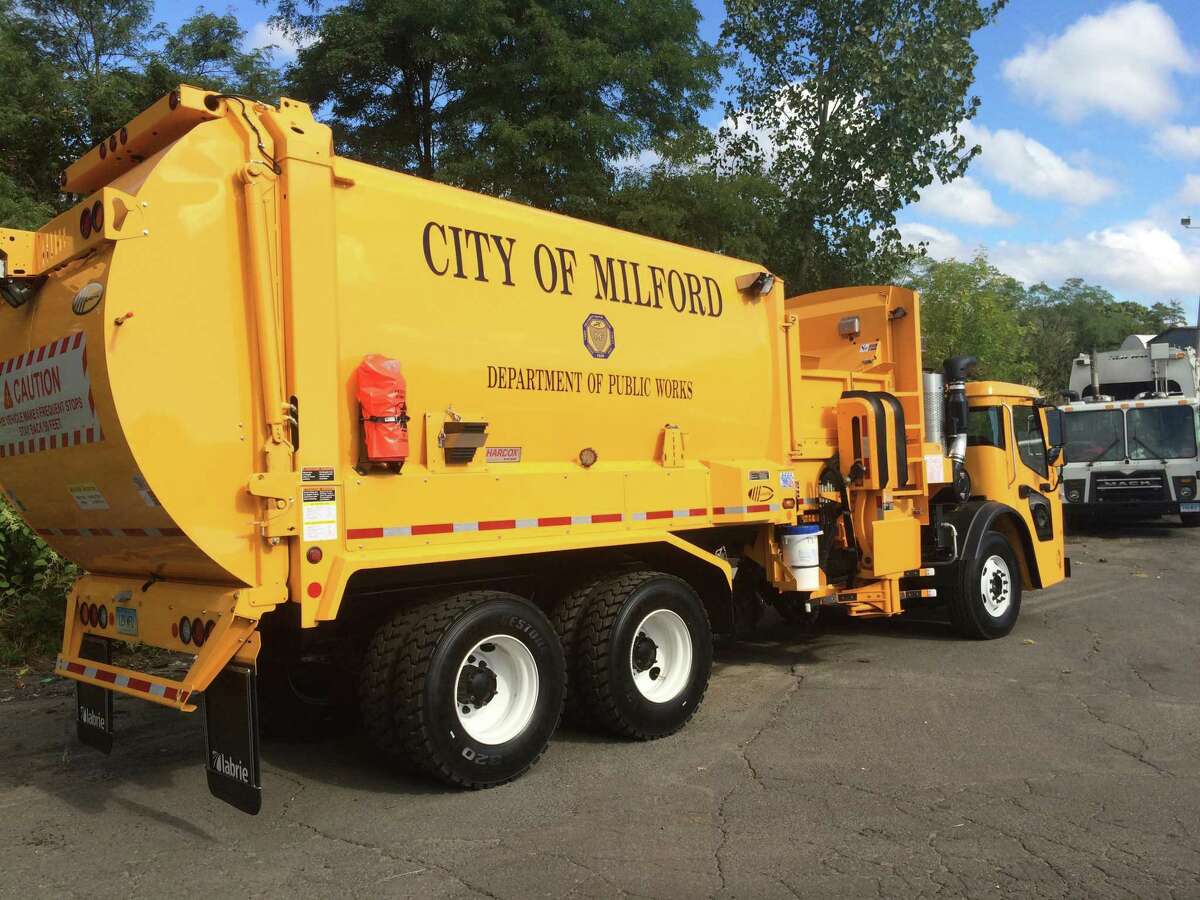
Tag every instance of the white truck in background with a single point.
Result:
(1130, 430)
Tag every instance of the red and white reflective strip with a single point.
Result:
(118, 679)
(110, 532)
(62, 439)
(745, 510)
(358, 534)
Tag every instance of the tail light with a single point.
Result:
(103, 616)
(198, 633)
(97, 217)
(124, 134)
(83, 616)
(85, 223)
(93, 616)
(103, 150)
(185, 630)
(112, 142)
(208, 629)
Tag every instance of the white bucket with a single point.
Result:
(801, 551)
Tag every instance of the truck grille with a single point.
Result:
(1135, 488)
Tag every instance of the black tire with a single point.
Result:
(410, 680)
(1189, 520)
(606, 642)
(567, 619)
(968, 610)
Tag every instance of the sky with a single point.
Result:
(1090, 135)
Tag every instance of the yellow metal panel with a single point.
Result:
(896, 545)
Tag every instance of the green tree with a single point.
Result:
(33, 588)
(539, 101)
(851, 107)
(698, 206)
(1077, 318)
(207, 51)
(31, 125)
(74, 71)
(972, 309)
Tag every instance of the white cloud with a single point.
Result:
(268, 34)
(963, 200)
(1139, 258)
(1190, 192)
(1032, 168)
(940, 244)
(1179, 140)
(1121, 61)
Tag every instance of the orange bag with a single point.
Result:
(382, 399)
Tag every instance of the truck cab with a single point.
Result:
(1136, 458)
(1011, 457)
(1130, 432)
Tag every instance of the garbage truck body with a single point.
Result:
(487, 461)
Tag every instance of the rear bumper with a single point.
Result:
(233, 612)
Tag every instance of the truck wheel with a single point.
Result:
(645, 653)
(473, 684)
(1189, 520)
(989, 597)
(567, 617)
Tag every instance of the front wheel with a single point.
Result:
(988, 600)
(471, 687)
(645, 655)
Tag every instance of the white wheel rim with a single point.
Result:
(661, 671)
(995, 586)
(513, 689)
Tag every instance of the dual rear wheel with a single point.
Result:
(469, 689)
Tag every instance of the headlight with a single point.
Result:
(1074, 496)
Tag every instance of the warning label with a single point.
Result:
(320, 514)
(47, 399)
(88, 497)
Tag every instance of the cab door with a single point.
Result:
(1035, 487)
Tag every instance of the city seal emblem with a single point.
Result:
(598, 336)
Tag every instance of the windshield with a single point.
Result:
(1162, 432)
(1094, 435)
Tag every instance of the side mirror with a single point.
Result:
(1053, 454)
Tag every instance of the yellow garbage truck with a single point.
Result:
(348, 438)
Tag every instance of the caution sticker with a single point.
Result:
(47, 399)
(320, 514)
(88, 497)
(316, 473)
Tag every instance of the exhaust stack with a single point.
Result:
(934, 388)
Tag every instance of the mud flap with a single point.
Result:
(231, 738)
(94, 704)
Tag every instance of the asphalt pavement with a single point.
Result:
(884, 758)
